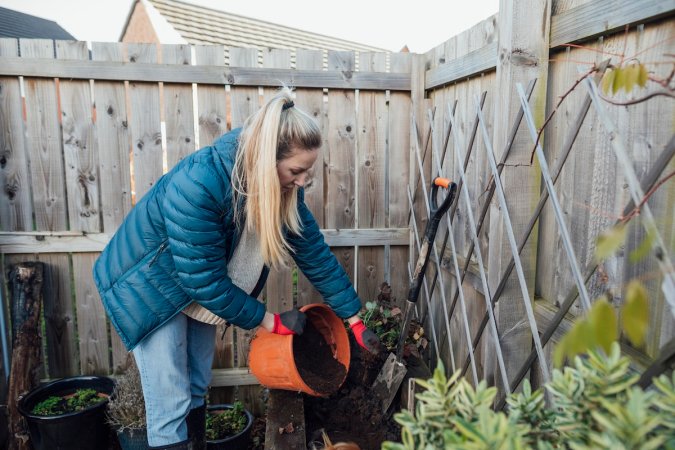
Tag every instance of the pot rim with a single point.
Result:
(249, 422)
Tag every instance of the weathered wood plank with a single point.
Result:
(146, 134)
(398, 169)
(524, 52)
(285, 408)
(311, 101)
(91, 318)
(372, 149)
(43, 141)
(234, 376)
(79, 144)
(341, 157)
(178, 109)
(481, 60)
(74, 242)
(15, 202)
(244, 102)
(596, 17)
(280, 281)
(211, 100)
(234, 76)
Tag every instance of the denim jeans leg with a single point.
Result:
(201, 340)
(162, 360)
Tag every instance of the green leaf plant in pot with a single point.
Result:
(228, 426)
(68, 413)
(126, 410)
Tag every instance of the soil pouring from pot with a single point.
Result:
(315, 362)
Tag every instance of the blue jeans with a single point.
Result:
(175, 366)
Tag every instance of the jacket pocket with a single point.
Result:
(161, 249)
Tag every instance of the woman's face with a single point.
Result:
(294, 169)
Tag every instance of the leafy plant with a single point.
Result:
(596, 404)
(79, 400)
(226, 422)
(126, 408)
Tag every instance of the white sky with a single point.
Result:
(419, 24)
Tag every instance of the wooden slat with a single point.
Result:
(279, 288)
(341, 157)
(311, 101)
(79, 144)
(178, 110)
(91, 318)
(245, 101)
(372, 148)
(597, 17)
(43, 141)
(15, 203)
(74, 242)
(146, 135)
(483, 59)
(397, 169)
(114, 172)
(234, 76)
(211, 100)
(234, 376)
(520, 30)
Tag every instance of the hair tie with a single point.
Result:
(287, 105)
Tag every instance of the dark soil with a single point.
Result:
(352, 414)
(315, 362)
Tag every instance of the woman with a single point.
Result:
(194, 252)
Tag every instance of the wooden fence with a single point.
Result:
(84, 134)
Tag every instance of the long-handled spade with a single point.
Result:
(393, 371)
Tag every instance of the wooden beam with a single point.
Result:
(77, 242)
(483, 59)
(236, 376)
(597, 17)
(234, 76)
(285, 426)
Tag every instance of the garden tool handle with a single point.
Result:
(437, 213)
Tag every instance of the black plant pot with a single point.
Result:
(133, 438)
(240, 440)
(80, 430)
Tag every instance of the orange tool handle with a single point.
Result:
(442, 182)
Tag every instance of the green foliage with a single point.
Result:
(596, 404)
(635, 313)
(226, 422)
(78, 401)
(609, 242)
(126, 409)
(624, 77)
(383, 321)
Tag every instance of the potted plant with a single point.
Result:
(68, 413)
(228, 426)
(126, 410)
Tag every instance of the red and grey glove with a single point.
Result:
(366, 338)
(289, 322)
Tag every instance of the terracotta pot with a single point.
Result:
(271, 355)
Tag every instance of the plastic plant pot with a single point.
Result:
(239, 441)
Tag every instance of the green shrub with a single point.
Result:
(226, 423)
(596, 404)
(56, 405)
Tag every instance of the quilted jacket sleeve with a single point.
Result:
(319, 265)
(194, 211)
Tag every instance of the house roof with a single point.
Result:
(201, 25)
(16, 24)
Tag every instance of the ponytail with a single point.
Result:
(269, 136)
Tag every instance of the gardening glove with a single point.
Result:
(366, 338)
(289, 322)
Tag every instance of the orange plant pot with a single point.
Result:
(271, 357)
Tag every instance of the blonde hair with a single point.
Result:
(269, 136)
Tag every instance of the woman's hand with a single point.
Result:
(289, 322)
(365, 337)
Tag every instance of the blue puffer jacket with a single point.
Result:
(175, 244)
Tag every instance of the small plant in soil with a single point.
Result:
(225, 423)
(64, 404)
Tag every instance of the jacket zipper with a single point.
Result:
(159, 252)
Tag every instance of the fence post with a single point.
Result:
(523, 51)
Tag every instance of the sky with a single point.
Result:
(419, 24)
